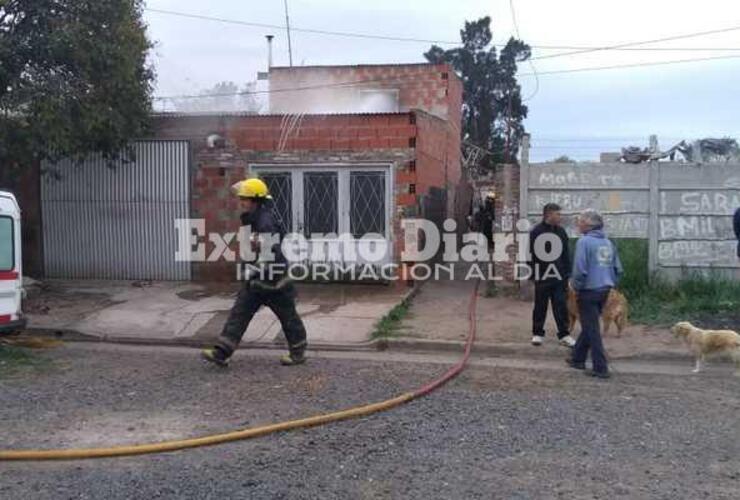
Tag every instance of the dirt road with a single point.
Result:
(493, 433)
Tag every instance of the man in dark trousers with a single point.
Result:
(596, 270)
(550, 277)
(269, 287)
(736, 226)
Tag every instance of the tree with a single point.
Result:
(492, 103)
(563, 159)
(222, 97)
(73, 78)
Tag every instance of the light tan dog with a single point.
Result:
(703, 343)
(615, 311)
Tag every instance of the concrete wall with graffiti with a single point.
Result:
(684, 210)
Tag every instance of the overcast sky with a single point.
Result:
(568, 112)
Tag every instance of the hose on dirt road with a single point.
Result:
(165, 446)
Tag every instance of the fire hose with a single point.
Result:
(254, 432)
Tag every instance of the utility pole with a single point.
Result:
(287, 26)
(507, 147)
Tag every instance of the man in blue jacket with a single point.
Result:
(596, 270)
(736, 226)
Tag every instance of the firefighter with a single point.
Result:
(486, 217)
(269, 286)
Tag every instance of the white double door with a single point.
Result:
(344, 212)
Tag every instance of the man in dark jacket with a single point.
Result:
(736, 226)
(268, 285)
(486, 217)
(550, 276)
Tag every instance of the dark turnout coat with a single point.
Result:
(264, 222)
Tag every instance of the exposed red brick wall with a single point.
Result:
(434, 88)
(323, 132)
(438, 156)
(424, 150)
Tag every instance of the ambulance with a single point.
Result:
(11, 276)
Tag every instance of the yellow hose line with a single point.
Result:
(249, 433)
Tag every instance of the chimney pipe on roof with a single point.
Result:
(269, 50)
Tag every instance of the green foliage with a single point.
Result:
(389, 324)
(14, 358)
(491, 290)
(563, 159)
(656, 301)
(73, 78)
(491, 94)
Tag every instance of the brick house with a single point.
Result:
(345, 149)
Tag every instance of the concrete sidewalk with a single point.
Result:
(193, 313)
(437, 321)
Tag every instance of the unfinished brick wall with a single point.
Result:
(438, 158)
(321, 139)
(322, 132)
(507, 181)
(434, 88)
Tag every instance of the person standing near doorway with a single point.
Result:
(486, 218)
(550, 277)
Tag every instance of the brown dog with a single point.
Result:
(703, 343)
(615, 311)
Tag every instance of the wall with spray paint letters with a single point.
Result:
(684, 210)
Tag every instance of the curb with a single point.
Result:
(197, 343)
(399, 344)
(513, 350)
(393, 344)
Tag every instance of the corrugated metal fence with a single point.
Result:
(116, 220)
(683, 209)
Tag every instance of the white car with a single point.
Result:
(11, 275)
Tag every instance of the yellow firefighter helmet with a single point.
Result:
(251, 188)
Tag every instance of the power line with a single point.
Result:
(389, 80)
(594, 139)
(531, 64)
(633, 65)
(643, 42)
(287, 28)
(420, 40)
(638, 49)
(302, 30)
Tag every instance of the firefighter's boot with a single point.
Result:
(216, 356)
(296, 357)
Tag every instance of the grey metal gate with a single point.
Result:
(105, 220)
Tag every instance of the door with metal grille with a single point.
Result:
(280, 185)
(341, 210)
(320, 203)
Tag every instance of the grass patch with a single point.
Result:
(696, 297)
(491, 290)
(389, 324)
(13, 358)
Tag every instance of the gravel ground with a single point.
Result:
(492, 433)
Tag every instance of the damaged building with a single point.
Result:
(344, 149)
